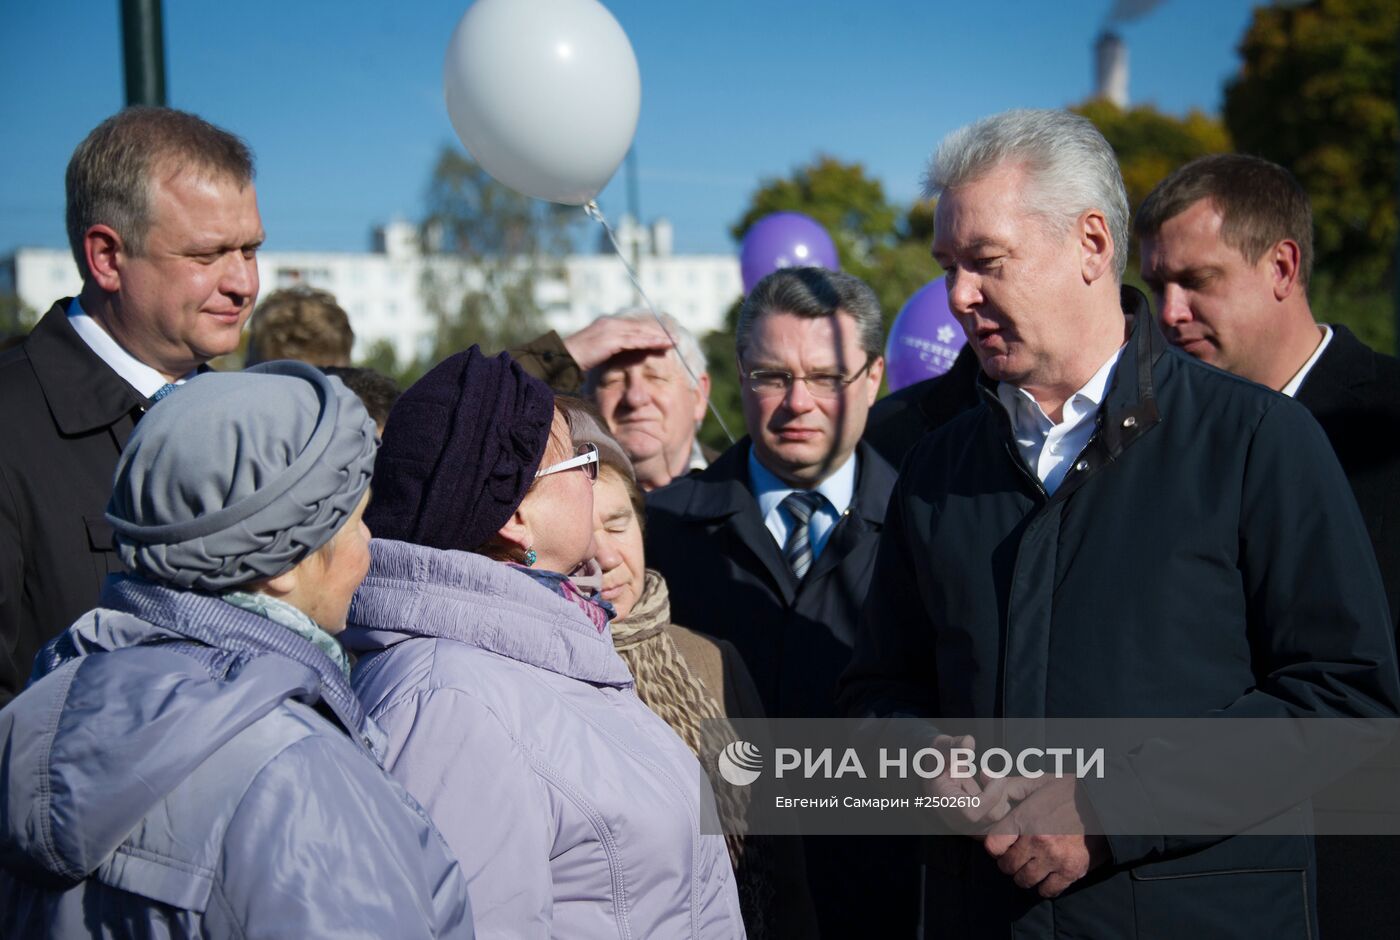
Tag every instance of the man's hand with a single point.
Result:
(605, 337)
(995, 797)
(1042, 843)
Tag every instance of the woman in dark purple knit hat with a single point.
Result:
(486, 658)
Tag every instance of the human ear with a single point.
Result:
(1096, 245)
(283, 585)
(1285, 262)
(516, 531)
(702, 397)
(875, 373)
(104, 252)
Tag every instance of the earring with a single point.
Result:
(530, 558)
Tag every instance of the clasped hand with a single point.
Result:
(1034, 827)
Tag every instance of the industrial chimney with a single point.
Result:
(1111, 68)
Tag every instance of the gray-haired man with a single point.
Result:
(654, 401)
(1105, 535)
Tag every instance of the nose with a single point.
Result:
(605, 552)
(798, 399)
(1173, 306)
(638, 392)
(240, 280)
(964, 291)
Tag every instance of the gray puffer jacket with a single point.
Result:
(181, 767)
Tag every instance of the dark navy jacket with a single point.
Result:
(1204, 556)
(728, 578)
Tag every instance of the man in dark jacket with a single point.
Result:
(772, 546)
(1227, 248)
(163, 222)
(1114, 531)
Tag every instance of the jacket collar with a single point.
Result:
(211, 622)
(1130, 408)
(722, 489)
(416, 591)
(1346, 363)
(82, 391)
(721, 494)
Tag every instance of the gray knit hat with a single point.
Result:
(238, 476)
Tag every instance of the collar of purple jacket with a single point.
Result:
(416, 591)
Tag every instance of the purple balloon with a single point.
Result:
(925, 338)
(784, 240)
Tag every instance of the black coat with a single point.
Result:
(728, 578)
(64, 419)
(1204, 555)
(1354, 393)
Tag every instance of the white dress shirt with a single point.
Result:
(133, 371)
(838, 489)
(1049, 449)
(1295, 383)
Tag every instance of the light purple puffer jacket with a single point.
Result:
(574, 811)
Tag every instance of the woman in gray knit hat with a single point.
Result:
(189, 759)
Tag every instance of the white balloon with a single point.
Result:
(544, 94)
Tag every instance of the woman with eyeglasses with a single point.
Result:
(486, 657)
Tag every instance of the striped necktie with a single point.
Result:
(164, 390)
(797, 552)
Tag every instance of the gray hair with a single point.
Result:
(813, 292)
(110, 174)
(586, 426)
(687, 346)
(1072, 168)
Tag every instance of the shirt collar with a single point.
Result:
(839, 487)
(697, 457)
(1295, 383)
(136, 373)
(1083, 402)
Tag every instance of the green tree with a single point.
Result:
(16, 319)
(1316, 93)
(882, 243)
(1150, 144)
(489, 246)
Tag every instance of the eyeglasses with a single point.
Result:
(587, 459)
(771, 382)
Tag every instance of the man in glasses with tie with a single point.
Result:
(163, 223)
(772, 547)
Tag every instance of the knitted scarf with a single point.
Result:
(666, 685)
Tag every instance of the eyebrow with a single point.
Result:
(618, 514)
(1161, 272)
(977, 244)
(216, 248)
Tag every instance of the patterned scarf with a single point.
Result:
(596, 609)
(293, 619)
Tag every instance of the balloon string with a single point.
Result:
(596, 214)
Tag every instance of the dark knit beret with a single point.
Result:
(460, 450)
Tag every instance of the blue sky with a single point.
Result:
(342, 101)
